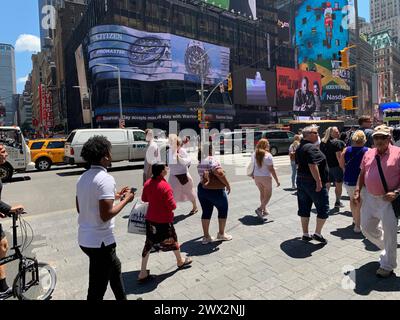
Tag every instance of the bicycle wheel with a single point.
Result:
(35, 284)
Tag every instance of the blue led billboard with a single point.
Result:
(146, 56)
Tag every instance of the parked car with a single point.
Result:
(127, 144)
(47, 152)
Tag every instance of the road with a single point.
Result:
(52, 191)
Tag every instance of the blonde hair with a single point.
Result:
(296, 141)
(328, 135)
(261, 151)
(359, 137)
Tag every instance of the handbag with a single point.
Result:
(137, 218)
(395, 202)
(183, 179)
(250, 168)
(210, 181)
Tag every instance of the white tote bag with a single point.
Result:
(250, 167)
(137, 218)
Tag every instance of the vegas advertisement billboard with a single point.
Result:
(322, 30)
(146, 56)
(246, 8)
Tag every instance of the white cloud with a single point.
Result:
(27, 42)
(22, 80)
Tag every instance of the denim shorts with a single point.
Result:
(210, 199)
(307, 196)
(336, 175)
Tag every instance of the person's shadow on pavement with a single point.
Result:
(132, 286)
(195, 248)
(299, 249)
(347, 233)
(366, 281)
(254, 221)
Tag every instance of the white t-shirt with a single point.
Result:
(263, 171)
(94, 185)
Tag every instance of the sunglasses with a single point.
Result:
(380, 137)
(313, 132)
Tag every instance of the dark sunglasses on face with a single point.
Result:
(381, 137)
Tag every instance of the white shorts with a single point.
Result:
(350, 191)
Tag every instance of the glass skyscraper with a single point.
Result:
(8, 85)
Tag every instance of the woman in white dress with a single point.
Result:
(180, 179)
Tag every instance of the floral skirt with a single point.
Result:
(160, 237)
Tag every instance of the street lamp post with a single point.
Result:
(90, 104)
(121, 116)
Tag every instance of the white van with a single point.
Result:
(19, 155)
(127, 144)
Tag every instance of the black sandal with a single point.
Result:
(186, 264)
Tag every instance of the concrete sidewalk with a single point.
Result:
(264, 261)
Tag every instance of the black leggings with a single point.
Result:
(104, 267)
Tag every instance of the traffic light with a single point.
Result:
(230, 83)
(347, 104)
(345, 57)
(200, 115)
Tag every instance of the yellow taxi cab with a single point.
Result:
(46, 152)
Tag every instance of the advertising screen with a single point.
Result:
(300, 89)
(322, 30)
(245, 7)
(148, 56)
(254, 87)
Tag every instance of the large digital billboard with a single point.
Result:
(300, 89)
(246, 8)
(254, 87)
(148, 56)
(322, 30)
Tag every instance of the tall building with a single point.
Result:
(8, 84)
(148, 37)
(385, 16)
(365, 27)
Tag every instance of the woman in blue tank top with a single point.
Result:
(350, 162)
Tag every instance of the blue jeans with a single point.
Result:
(307, 196)
(210, 199)
(294, 172)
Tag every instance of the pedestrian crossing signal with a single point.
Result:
(230, 83)
(200, 115)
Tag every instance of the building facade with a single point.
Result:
(8, 85)
(252, 43)
(385, 16)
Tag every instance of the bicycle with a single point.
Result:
(34, 281)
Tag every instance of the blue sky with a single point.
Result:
(18, 17)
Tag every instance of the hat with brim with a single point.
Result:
(382, 131)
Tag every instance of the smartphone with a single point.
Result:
(133, 190)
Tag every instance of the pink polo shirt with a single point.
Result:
(391, 169)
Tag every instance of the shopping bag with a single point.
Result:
(250, 168)
(137, 218)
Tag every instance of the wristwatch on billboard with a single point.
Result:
(195, 56)
(147, 50)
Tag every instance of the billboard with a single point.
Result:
(254, 87)
(300, 89)
(146, 56)
(322, 30)
(83, 87)
(246, 8)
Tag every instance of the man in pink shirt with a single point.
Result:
(376, 203)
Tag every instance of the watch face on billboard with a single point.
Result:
(246, 8)
(146, 56)
(254, 87)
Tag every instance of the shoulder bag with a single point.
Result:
(396, 202)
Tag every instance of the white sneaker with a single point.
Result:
(206, 241)
(224, 237)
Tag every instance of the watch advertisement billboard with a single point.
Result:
(254, 87)
(300, 89)
(146, 56)
(83, 87)
(322, 31)
(246, 8)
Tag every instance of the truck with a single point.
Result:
(19, 154)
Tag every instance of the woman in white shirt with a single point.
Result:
(180, 179)
(263, 172)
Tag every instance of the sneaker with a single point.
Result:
(306, 238)
(357, 229)
(382, 273)
(224, 237)
(320, 239)
(206, 241)
(6, 294)
(339, 204)
(259, 213)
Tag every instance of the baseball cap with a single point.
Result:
(382, 131)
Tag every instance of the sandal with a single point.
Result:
(193, 212)
(186, 264)
(146, 279)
